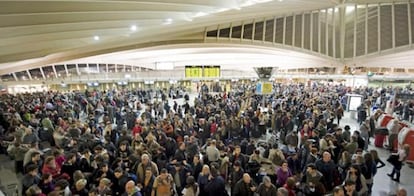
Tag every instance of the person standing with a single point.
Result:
(245, 186)
(365, 129)
(397, 162)
(266, 188)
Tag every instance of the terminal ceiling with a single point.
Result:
(36, 33)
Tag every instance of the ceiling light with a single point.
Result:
(168, 21)
(96, 38)
(200, 14)
(222, 10)
(133, 28)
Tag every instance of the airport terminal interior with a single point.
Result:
(206, 97)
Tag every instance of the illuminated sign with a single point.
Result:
(202, 71)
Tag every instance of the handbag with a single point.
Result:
(393, 159)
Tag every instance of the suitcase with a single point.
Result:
(379, 140)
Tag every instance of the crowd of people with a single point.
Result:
(117, 143)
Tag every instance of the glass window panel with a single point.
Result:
(279, 30)
(36, 74)
(386, 27)
(337, 33)
(248, 30)
(258, 31)
(401, 25)
(111, 68)
(120, 68)
(22, 76)
(83, 68)
(236, 32)
(48, 71)
(330, 32)
(360, 32)
(7, 77)
(412, 21)
(225, 33)
(349, 33)
(60, 69)
(269, 30)
(315, 34)
(212, 33)
(372, 29)
(72, 69)
(289, 30)
(298, 31)
(323, 21)
(307, 29)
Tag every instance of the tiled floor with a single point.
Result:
(382, 183)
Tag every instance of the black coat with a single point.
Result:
(216, 187)
(243, 189)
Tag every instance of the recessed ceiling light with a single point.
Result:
(96, 37)
(168, 21)
(133, 28)
(200, 14)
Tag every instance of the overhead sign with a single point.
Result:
(211, 71)
(202, 71)
(193, 72)
(264, 88)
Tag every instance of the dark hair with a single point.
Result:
(191, 183)
(46, 176)
(312, 166)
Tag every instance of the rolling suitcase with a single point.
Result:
(379, 140)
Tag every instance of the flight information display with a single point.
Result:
(202, 71)
(211, 71)
(193, 71)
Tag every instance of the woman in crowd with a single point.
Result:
(191, 189)
(398, 161)
(203, 179)
(354, 175)
(283, 173)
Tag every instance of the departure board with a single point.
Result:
(193, 71)
(211, 71)
(202, 71)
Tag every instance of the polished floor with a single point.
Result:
(383, 185)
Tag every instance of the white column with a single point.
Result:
(311, 32)
(410, 36)
(379, 28)
(355, 29)
(43, 73)
(15, 77)
(366, 29)
(303, 30)
(231, 31)
(54, 71)
(293, 29)
(319, 32)
(242, 32)
(284, 30)
(218, 32)
(274, 30)
(393, 23)
(326, 33)
(66, 70)
(254, 29)
(264, 30)
(28, 74)
(333, 33)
